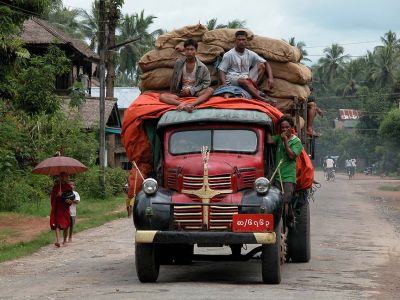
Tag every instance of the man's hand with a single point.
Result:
(284, 136)
(270, 83)
(185, 92)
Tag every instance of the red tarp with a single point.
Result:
(148, 106)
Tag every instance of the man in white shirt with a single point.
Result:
(245, 68)
(329, 164)
(72, 211)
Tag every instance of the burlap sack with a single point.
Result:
(159, 58)
(157, 79)
(292, 72)
(286, 89)
(224, 37)
(166, 58)
(171, 39)
(272, 49)
(284, 104)
(206, 53)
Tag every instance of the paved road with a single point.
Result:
(355, 255)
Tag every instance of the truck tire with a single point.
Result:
(183, 254)
(298, 240)
(271, 259)
(147, 266)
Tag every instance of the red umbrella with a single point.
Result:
(59, 164)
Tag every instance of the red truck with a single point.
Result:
(212, 187)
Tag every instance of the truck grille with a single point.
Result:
(220, 217)
(188, 217)
(191, 217)
(220, 182)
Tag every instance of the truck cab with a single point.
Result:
(211, 189)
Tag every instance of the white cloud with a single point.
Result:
(316, 22)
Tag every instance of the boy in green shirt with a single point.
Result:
(288, 147)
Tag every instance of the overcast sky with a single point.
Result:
(355, 24)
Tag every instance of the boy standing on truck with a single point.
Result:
(191, 78)
(288, 147)
(245, 68)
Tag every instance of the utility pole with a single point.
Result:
(102, 50)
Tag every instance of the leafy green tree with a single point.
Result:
(389, 128)
(67, 20)
(333, 61)
(90, 25)
(35, 83)
(236, 23)
(349, 79)
(133, 26)
(11, 46)
(301, 45)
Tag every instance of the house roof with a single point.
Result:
(125, 95)
(349, 114)
(90, 111)
(37, 31)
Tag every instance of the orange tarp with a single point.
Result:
(148, 106)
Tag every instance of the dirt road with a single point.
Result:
(355, 255)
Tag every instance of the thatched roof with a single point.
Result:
(37, 31)
(89, 110)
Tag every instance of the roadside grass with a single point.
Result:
(6, 232)
(389, 188)
(90, 213)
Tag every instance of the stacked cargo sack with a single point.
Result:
(291, 78)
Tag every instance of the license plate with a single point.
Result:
(253, 223)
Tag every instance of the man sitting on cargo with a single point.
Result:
(191, 78)
(245, 68)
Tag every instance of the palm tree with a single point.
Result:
(385, 60)
(333, 61)
(301, 45)
(236, 23)
(133, 26)
(386, 65)
(90, 25)
(66, 20)
(350, 78)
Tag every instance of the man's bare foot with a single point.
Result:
(320, 112)
(311, 132)
(57, 244)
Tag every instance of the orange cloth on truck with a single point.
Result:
(148, 106)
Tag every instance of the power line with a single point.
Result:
(21, 10)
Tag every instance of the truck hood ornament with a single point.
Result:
(205, 192)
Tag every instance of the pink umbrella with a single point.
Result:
(59, 164)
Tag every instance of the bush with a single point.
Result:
(21, 190)
(88, 183)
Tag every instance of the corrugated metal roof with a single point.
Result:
(349, 114)
(125, 95)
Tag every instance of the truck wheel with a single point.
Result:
(298, 240)
(147, 266)
(164, 254)
(271, 259)
(183, 254)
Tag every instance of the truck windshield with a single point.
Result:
(225, 140)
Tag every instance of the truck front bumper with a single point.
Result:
(204, 237)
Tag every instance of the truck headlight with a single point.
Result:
(261, 185)
(150, 186)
